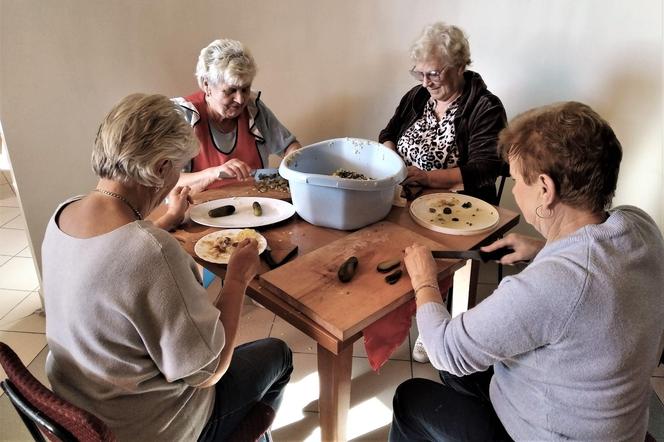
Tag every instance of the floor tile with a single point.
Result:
(26, 345)
(296, 340)
(658, 386)
(7, 196)
(7, 214)
(255, 323)
(25, 317)
(659, 371)
(371, 401)
(12, 241)
(9, 299)
(656, 418)
(4, 259)
(16, 223)
(11, 426)
(25, 253)
(19, 274)
(425, 371)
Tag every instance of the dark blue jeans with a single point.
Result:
(259, 371)
(460, 410)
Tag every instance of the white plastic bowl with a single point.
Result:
(341, 203)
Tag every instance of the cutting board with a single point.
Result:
(310, 282)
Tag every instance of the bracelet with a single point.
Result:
(425, 285)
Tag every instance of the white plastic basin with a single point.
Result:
(341, 203)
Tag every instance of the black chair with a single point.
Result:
(504, 174)
(42, 411)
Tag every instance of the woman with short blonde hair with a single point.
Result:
(144, 349)
(237, 132)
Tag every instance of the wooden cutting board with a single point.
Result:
(310, 282)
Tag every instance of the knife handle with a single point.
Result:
(496, 254)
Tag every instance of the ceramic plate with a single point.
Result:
(274, 210)
(217, 247)
(454, 214)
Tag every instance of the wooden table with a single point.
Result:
(334, 341)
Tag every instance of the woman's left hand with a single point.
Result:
(417, 176)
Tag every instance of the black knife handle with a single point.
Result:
(496, 254)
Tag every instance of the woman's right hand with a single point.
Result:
(233, 167)
(420, 265)
(525, 247)
(243, 264)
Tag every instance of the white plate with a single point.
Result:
(480, 216)
(274, 210)
(204, 247)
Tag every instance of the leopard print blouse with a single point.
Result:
(429, 143)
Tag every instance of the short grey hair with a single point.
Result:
(441, 40)
(225, 61)
(137, 135)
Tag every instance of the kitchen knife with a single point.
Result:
(477, 255)
(256, 173)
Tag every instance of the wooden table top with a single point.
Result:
(305, 291)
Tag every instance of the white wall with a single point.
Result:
(327, 69)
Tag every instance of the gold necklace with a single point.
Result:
(123, 199)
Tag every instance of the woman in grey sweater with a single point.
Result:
(132, 335)
(573, 338)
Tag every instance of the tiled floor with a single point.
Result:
(297, 420)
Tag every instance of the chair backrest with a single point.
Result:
(504, 174)
(42, 410)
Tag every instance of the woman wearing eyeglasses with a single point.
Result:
(237, 132)
(446, 128)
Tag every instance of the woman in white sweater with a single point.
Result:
(574, 337)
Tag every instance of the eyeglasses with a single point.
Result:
(432, 76)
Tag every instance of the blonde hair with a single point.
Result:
(137, 135)
(225, 61)
(442, 41)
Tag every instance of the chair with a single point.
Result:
(504, 174)
(42, 411)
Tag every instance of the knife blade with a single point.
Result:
(477, 255)
(256, 173)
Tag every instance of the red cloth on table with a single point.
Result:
(383, 336)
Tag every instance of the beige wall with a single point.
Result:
(327, 69)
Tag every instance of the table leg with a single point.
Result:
(334, 372)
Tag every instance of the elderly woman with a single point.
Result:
(144, 349)
(236, 131)
(446, 128)
(574, 337)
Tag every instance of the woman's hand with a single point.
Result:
(525, 248)
(178, 203)
(243, 264)
(416, 176)
(233, 167)
(421, 266)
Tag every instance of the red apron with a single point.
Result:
(209, 156)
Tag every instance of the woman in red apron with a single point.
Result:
(236, 131)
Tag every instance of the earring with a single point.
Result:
(538, 211)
